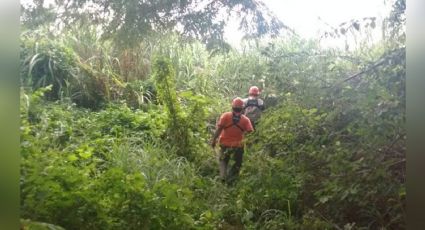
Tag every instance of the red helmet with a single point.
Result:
(254, 91)
(237, 103)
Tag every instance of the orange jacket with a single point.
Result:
(232, 135)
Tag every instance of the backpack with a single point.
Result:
(235, 121)
(252, 102)
(252, 109)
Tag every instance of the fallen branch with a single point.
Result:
(364, 71)
(375, 65)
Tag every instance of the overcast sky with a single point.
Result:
(303, 15)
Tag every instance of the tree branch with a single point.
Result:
(375, 65)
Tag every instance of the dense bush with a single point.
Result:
(118, 139)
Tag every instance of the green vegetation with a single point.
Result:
(117, 138)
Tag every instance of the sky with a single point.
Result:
(303, 15)
(308, 17)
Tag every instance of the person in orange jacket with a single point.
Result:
(230, 131)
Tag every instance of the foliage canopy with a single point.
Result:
(128, 22)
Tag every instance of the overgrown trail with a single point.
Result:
(118, 138)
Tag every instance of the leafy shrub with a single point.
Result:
(336, 170)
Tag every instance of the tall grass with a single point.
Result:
(312, 150)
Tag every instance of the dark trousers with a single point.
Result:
(225, 154)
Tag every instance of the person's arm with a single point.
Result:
(216, 135)
(262, 106)
(248, 126)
